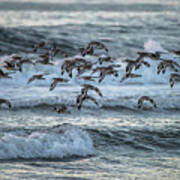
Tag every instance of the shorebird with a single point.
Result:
(64, 65)
(130, 75)
(4, 75)
(67, 66)
(79, 101)
(177, 52)
(174, 77)
(88, 78)
(56, 81)
(153, 56)
(161, 67)
(167, 63)
(82, 97)
(107, 72)
(139, 64)
(23, 61)
(171, 62)
(82, 65)
(135, 64)
(79, 60)
(16, 57)
(9, 66)
(54, 50)
(46, 55)
(37, 76)
(5, 101)
(105, 59)
(90, 48)
(45, 59)
(77, 63)
(98, 44)
(62, 109)
(146, 98)
(40, 45)
(83, 68)
(130, 65)
(87, 51)
(87, 87)
(105, 68)
(97, 69)
(141, 56)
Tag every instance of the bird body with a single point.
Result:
(56, 81)
(5, 101)
(3, 75)
(62, 109)
(174, 78)
(82, 97)
(146, 98)
(38, 76)
(87, 87)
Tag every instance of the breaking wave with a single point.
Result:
(56, 143)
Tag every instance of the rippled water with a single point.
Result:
(114, 140)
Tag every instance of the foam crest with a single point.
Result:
(66, 142)
(153, 46)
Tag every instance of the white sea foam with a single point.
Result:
(65, 142)
(153, 46)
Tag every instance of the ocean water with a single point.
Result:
(114, 140)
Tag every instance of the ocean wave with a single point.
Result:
(54, 143)
(21, 40)
(138, 138)
(66, 141)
